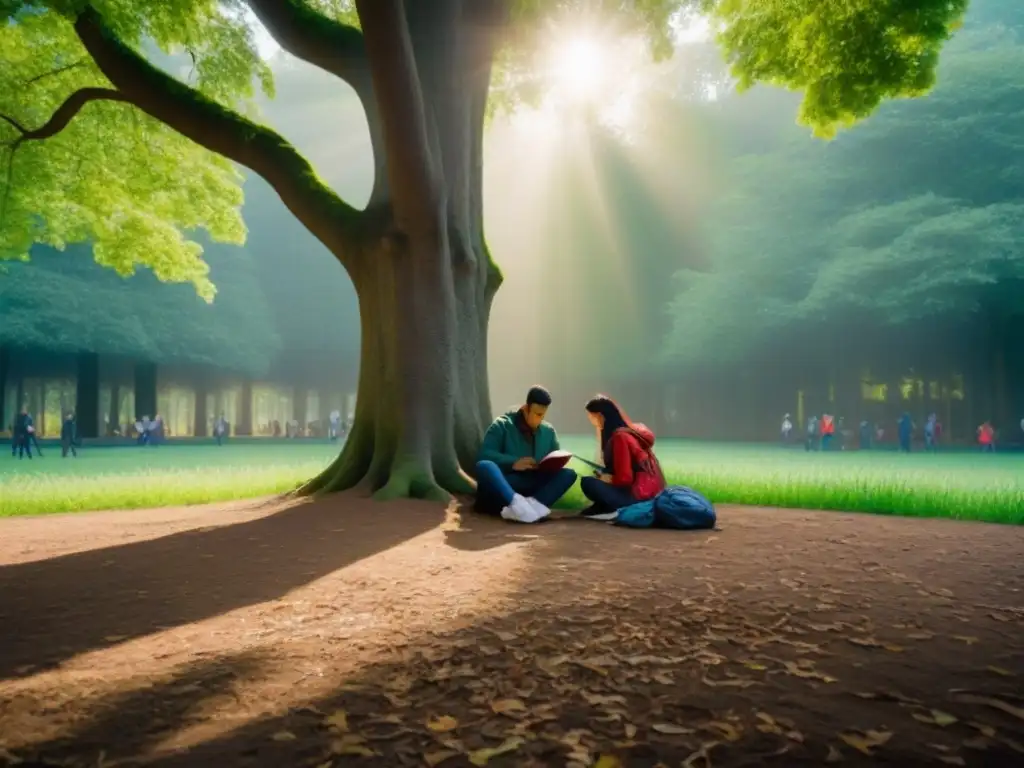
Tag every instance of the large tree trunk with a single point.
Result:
(426, 281)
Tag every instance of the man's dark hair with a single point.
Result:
(538, 396)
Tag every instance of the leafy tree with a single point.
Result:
(911, 220)
(66, 302)
(108, 147)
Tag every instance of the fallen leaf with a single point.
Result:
(942, 719)
(893, 648)
(506, 637)
(754, 666)
(338, 720)
(984, 728)
(921, 636)
(934, 717)
(355, 750)
(988, 701)
(608, 761)
(481, 756)
(284, 736)
(725, 730)
(502, 706)
(864, 642)
(951, 760)
(978, 742)
(866, 741)
(599, 700)
(630, 730)
(701, 754)
(966, 639)
(670, 729)
(808, 673)
(738, 682)
(834, 755)
(592, 667)
(1001, 672)
(443, 724)
(436, 758)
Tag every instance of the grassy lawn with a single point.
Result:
(958, 485)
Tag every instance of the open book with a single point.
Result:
(555, 460)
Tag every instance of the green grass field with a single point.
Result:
(957, 485)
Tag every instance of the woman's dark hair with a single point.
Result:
(614, 418)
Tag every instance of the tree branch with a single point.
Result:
(411, 171)
(336, 48)
(53, 72)
(316, 39)
(64, 114)
(219, 129)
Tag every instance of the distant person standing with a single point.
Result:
(867, 431)
(68, 436)
(987, 438)
(334, 428)
(220, 429)
(828, 430)
(787, 429)
(21, 432)
(905, 430)
(811, 436)
(930, 432)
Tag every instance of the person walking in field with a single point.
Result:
(987, 438)
(22, 430)
(930, 432)
(811, 436)
(220, 429)
(787, 429)
(68, 436)
(905, 431)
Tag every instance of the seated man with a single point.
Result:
(508, 480)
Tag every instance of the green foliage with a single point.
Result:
(913, 219)
(135, 189)
(846, 56)
(64, 302)
(115, 177)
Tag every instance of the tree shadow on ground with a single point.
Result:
(776, 646)
(52, 610)
(133, 720)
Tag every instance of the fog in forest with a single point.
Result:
(696, 253)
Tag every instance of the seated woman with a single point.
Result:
(627, 448)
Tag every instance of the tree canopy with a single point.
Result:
(914, 218)
(65, 302)
(117, 165)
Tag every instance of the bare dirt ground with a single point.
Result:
(346, 633)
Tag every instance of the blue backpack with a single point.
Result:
(676, 507)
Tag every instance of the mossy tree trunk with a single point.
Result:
(416, 254)
(425, 280)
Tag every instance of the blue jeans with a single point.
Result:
(605, 495)
(495, 488)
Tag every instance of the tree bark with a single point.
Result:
(417, 255)
(426, 281)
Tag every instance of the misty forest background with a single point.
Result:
(713, 268)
